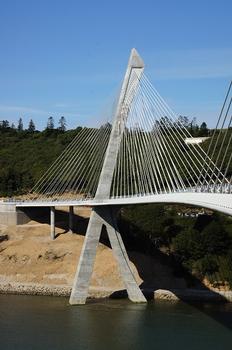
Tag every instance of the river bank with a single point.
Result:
(31, 263)
(97, 293)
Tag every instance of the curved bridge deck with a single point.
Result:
(215, 201)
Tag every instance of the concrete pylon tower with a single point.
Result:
(102, 215)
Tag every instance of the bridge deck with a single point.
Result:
(215, 201)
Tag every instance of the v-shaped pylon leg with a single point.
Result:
(98, 218)
(119, 251)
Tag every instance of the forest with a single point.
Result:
(26, 153)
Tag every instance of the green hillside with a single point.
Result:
(24, 156)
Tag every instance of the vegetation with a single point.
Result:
(198, 244)
(193, 128)
(26, 154)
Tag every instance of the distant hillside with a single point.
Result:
(25, 155)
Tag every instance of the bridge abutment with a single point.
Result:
(10, 215)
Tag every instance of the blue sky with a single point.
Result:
(68, 57)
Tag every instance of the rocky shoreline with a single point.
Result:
(96, 293)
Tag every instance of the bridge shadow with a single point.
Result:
(41, 215)
(177, 280)
(194, 294)
(158, 271)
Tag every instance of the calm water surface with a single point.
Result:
(50, 323)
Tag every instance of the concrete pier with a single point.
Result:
(52, 222)
(98, 218)
(120, 253)
(70, 219)
(86, 262)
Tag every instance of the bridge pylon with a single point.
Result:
(106, 215)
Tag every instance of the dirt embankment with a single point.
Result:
(31, 263)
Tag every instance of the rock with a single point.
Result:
(51, 255)
(3, 237)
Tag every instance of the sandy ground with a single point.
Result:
(29, 256)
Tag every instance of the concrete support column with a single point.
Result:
(70, 219)
(120, 253)
(52, 222)
(86, 262)
(98, 218)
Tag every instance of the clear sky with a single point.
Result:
(68, 57)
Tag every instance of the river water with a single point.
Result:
(28, 322)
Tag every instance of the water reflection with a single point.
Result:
(108, 324)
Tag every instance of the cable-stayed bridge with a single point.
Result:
(140, 156)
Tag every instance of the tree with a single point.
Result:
(165, 121)
(31, 126)
(20, 124)
(183, 121)
(50, 123)
(62, 123)
(192, 128)
(204, 131)
(4, 124)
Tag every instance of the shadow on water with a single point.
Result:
(150, 281)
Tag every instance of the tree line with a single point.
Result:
(191, 125)
(5, 125)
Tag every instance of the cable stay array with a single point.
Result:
(75, 173)
(220, 151)
(153, 156)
